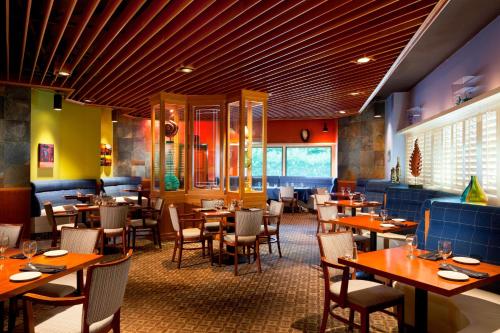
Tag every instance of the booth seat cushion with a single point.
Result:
(115, 186)
(55, 190)
(473, 229)
(40, 224)
(361, 185)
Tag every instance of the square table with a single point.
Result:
(366, 222)
(420, 273)
(353, 204)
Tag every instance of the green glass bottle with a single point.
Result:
(474, 193)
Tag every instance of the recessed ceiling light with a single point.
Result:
(342, 112)
(355, 93)
(363, 60)
(185, 69)
(89, 100)
(63, 72)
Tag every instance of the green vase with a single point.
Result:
(171, 181)
(474, 193)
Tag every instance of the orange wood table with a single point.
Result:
(421, 274)
(373, 225)
(140, 193)
(354, 204)
(73, 262)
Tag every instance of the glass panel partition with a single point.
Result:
(175, 134)
(234, 146)
(253, 146)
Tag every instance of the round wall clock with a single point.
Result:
(304, 135)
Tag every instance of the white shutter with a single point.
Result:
(458, 181)
(437, 158)
(489, 159)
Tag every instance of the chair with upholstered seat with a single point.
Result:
(321, 199)
(326, 214)
(14, 232)
(56, 228)
(97, 310)
(114, 224)
(271, 225)
(247, 229)
(362, 296)
(194, 234)
(150, 221)
(288, 196)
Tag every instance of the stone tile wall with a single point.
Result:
(132, 147)
(361, 147)
(15, 123)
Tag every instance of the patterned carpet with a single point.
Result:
(286, 297)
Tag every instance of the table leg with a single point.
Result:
(373, 241)
(84, 217)
(420, 310)
(139, 198)
(353, 211)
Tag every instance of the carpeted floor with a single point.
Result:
(286, 297)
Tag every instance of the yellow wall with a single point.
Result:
(107, 138)
(76, 134)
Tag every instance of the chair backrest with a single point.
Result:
(322, 198)
(158, 204)
(14, 232)
(49, 211)
(286, 191)
(335, 245)
(113, 217)
(211, 203)
(276, 208)
(327, 213)
(174, 217)
(248, 222)
(79, 240)
(105, 288)
(321, 190)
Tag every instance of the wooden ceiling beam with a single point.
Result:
(74, 38)
(102, 20)
(46, 15)
(25, 37)
(67, 15)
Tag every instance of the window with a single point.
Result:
(275, 161)
(309, 161)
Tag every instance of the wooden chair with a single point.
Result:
(188, 235)
(56, 228)
(97, 310)
(151, 219)
(326, 213)
(357, 295)
(247, 229)
(288, 196)
(114, 223)
(14, 232)
(271, 226)
(321, 199)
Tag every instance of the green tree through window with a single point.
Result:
(309, 161)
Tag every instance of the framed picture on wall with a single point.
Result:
(45, 155)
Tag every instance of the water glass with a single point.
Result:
(371, 211)
(383, 214)
(411, 241)
(351, 196)
(362, 197)
(342, 189)
(29, 250)
(348, 189)
(444, 249)
(4, 245)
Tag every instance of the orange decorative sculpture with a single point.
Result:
(416, 163)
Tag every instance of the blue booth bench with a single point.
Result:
(305, 186)
(116, 186)
(53, 191)
(474, 231)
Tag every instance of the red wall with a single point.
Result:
(288, 131)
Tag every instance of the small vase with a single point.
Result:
(474, 193)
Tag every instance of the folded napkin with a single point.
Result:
(48, 269)
(389, 218)
(22, 256)
(434, 256)
(470, 273)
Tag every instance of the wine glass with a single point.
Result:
(383, 214)
(342, 189)
(348, 189)
(362, 197)
(4, 245)
(351, 196)
(29, 249)
(444, 249)
(411, 241)
(372, 213)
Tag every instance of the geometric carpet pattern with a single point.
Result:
(286, 297)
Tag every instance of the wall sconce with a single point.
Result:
(57, 102)
(378, 109)
(114, 116)
(325, 128)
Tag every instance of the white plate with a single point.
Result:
(387, 225)
(254, 209)
(373, 202)
(55, 253)
(451, 275)
(398, 220)
(25, 276)
(466, 260)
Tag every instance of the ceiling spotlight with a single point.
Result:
(89, 100)
(363, 60)
(63, 72)
(355, 93)
(342, 112)
(325, 128)
(185, 69)
(114, 116)
(57, 102)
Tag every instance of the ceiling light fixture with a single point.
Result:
(57, 102)
(363, 60)
(185, 69)
(114, 116)
(64, 73)
(378, 110)
(355, 93)
(89, 100)
(325, 128)
(342, 112)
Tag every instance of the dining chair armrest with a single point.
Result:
(332, 264)
(325, 263)
(192, 221)
(56, 301)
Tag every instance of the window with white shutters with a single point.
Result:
(489, 159)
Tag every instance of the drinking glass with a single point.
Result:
(342, 189)
(372, 213)
(348, 189)
(444, 249)
(29, 250)
(4, 245)
(411, 241)
(351, 196)
(383, 214)
(362, 197)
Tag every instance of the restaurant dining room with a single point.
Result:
(250, 166)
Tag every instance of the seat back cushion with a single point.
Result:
(115, 186)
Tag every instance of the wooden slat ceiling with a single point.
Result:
(121, 52)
